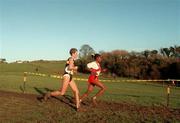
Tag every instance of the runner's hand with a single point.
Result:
(75, 69)
(104, 70)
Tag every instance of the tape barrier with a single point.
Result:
(81, 79)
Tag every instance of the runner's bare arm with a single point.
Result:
(71, 65)
(93, 72)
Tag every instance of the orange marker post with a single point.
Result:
(168, 94)
(24, 82)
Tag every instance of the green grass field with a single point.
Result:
(144, 93)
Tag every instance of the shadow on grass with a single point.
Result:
(68, 100)
(21, 88)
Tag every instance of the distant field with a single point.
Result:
(11, 78)
(144, 94)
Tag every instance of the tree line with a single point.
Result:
(149, 64)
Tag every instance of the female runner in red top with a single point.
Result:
(95, 69)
